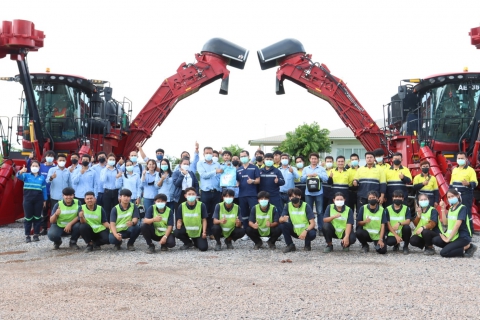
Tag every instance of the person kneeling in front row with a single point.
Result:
(426, 225)
(227, 221)
(192, 222)
(158, 225)
(398, 223)
(94, 226)
(297, 220)
(371, 220)
(338, 224)
(64, 220)
(263, 222)
(123, 222)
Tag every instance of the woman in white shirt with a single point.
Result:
(183, 178)
(164, 183)
(131, 181)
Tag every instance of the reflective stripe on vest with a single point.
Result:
(298, 217)
(161, 226)
(230, 216)
(192, 219)
(261, 219)
(375, 224)
(452, 218)
(340, 223)
(423, 221)
(67, 213)
(94, 218)
(122, 219)
(398, 217)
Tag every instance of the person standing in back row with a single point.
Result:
(369, 178)
(289, 175)
(248, 178)
(271, 179)
(425, 183)
(397, 178)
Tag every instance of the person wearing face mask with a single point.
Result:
(426, 225)
(158, 225)
(464, 180)
(150, 190)
(183, 179)
(338, 223)
(210, 195)
(338, 178)
(194, 161)
(289, 175)
(456, 240)
(164, 183)
(228, 179)
(258, 160)
(297, 221)
(379, 156)
(398, 223)
(131, 181)
(327, 187)
(75, 166)
(108, 181)
(192, 222)
(352, 170)
(159, 154)
(263, 222)
(84, 180)
(271, 179)
(248, 178)
(215, 157)
(34, 198)
(58, 178)
(425, 183)
(371, 220)
(236, 163)
(369, 178)
(277, 156)
(397, 177)
(300, 163)
(137, 167)
(227, 221)
(98, 167)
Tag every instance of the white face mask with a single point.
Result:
(339, 203)
(215, 159)
(61, 164)
(185, 167)
(329, 164)
(34, 169)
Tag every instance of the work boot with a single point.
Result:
(150, 249)
(429, 251)
(35, 237)
(96, 247)
(56, 245)
(43, 232)
(163, 247)
(28, 239)
(258, 245)
(271, 245)
(470, 251)
(406, 250)
(89, 248)
(212, 237)
(396, 247)
(186, 246)
(130, 247)
(73, 245)
(229, 244)
(346, 249)
(289, 248)
(117, 247)
(218, 246)
(328, 249)
(307, 248)
(365, 248)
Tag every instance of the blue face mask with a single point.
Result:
(453, 200)
(160, 205)
(159, 157)
(164, 167)
(228, 200)
(129, 168)
(300, 165)
(263, 202)
(379, 159)
(424, 203)
(111, 163)
(208, 157)
(134, 159)
(461, 162)
(284, 161)
(49, 159)
(191, 198)
(268, 163)
(354, 163)
(244, 159)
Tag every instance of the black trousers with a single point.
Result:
(100, 199)
(110, 199)
(352, 200)
(426, 240)
(406, 235)
(148, 232)
(236, 234)
(364, 237)
(32, 209)
(451, 249)
(211, 199)
(329, 234)
(88, 235)
(182, 235)
(275, 232)
(46, 213)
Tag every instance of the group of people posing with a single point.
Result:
(260, 199)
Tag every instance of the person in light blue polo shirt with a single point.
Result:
(108, 181)
(84, 179)
(209, 172)
(164, 183)
(102, 164)
(311, 197)
(289, 173)
(59, 178)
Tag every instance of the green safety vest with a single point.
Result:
(231, 217)
(262, 217)
(123, 217)
(397, 217)
(452, 217)
(94, 218)
(161, 227)
(298, 217)
(423, 221)
(192, 219)
(340, 223)
(67, 214)
(374, 226)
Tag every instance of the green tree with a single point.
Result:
(234, 149)
(306, 139)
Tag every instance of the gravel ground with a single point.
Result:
(38, 282)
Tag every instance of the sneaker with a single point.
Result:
(307, 248)
(229, 244)
(406, 250)
(258, 245)
(328, 249)
(470, 251)
(218, 247)
(150, 249)
(319, 233)
(56, 245)
(271, 245)
(429, 251)
(89, 248)
(96, 247)
(28, 239)
(130, 247)
(186, 246)
(265, 239)
(35, 237)
(43, 232)
(289, 248)
(346, 249)
(365, 248)
(396, 247)
(117, 247)
(74, 245)
(212, 237)
(163, 248)
(245, 238)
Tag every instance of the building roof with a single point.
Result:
(338, 134)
